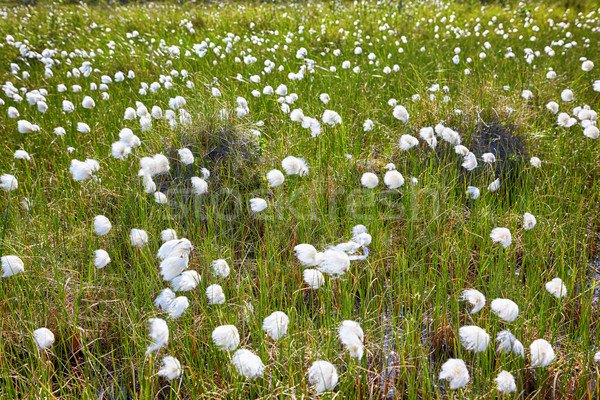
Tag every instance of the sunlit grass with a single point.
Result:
(430, 242)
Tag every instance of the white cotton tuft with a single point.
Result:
(155, 165)
(505, 382)
(138, 238)
(488, 158)
(529, 221)
(473, 192)
(168, 234)
(331, 118)
(494, 186)
(455, 371)
(171, 267)
(502, 236)
(226, 337)
(276, 325)
(120, 150)
(507, 342)
(215, 295)
(294, 166)
(186, 156)
(541, 353)
(556, 288)
(475, 298)
(8, 182)
(474, 338)
(178, 307)
(22, 155)
(552, 107)
(400, 113)
(170, 369)
(393, 179)
(160, 198)
(44, 338)
(591, 132)
(174, 248)
(101, 225)
(101, 258)
(248, 364)
(126, 136)
(334, 263)
(199, 186)
(566, 95)
(369, 180)
(164, 299)
(188, 280)
(275, 177)
(313, 278)
(159, 333)
(469, 162)
(308, 255)
(323, 376)
(80, 170)
(408, 142)
(257, 205)
(587, 65)
(461, 150)
(220, 268)
(26, 127)
(352, 337)
(88, 102)
(507, 310)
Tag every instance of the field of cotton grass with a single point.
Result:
(299, 200)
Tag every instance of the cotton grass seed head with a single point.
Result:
(335, 263)
(257, 205)
(393, 179)
(170, 368)
(455, 371)
(505, 382)
(541, 353)
(502, 236)
(101, 258)
(11, 265)
(186, 281)
(138, 238)
(507, 310)
(276, 325)
(308, 255)
(220, 268)
(215, 295)
(8, 182)
(226, 337)
(475, 298)
(556, 288)
(294, 166)
(529, 221)
(248, 364)
(44, 338)
(474, 338)
(313, 278)
(323, 376)
(275, 177)
(369, 180)
(159, 333)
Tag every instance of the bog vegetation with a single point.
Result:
(304, 200)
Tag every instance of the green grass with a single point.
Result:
(429, 241)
